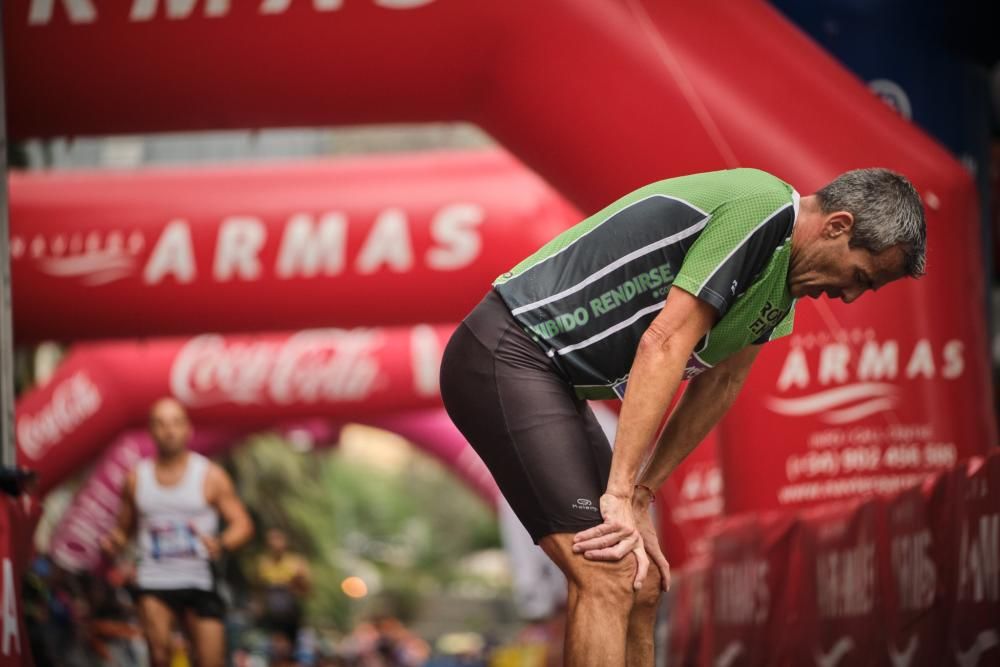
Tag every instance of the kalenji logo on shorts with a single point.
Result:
(74, 401)
(584, 504)
(857, 375)
(309, 367)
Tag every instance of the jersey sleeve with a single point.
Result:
(735, 246)
(782, 328)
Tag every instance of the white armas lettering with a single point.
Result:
(173, 255)
(915, 573)
(455, 230)
(40, 12)
(387, 245)
(845, 581)
(309, 248)
(979, 560)
(312, 246)
(79, 11)
(875, 362)
(742, 596)
(145, 10)
(239, 243)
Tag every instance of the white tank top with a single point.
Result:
(171, 556)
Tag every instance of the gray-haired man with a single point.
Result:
(681, 279)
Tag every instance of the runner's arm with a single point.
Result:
(116, 540)
(706, 399)
(654, 378)
(222, 496)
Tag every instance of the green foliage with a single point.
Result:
(402, 529)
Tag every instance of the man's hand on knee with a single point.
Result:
(615, 538)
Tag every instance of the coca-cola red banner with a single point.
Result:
(367, 241)
(237, 381)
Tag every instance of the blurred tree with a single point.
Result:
(401, 529)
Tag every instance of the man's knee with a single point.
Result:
(609, 582)
(648, 597)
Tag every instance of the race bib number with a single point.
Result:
(173, 540)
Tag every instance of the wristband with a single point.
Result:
(652, 496)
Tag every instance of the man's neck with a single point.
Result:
(171, 460)
(807, 208)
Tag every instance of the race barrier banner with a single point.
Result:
(18, 518)
(910, 579)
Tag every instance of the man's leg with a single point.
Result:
(208, 639)
(157, 620)
(642, 621)
(599, 604)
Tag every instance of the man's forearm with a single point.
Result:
(236, 535)
(656, 373)
(701, 407)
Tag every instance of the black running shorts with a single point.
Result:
(543, 445)
(202, 603)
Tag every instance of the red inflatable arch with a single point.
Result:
(598, 97)
(372, 241)
(240, 382)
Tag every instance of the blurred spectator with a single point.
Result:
(285, 581)
(111, 632)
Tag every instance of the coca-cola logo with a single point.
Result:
(73, 401)
(310, 367)
(857, 374)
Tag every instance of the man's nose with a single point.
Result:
(852, 294)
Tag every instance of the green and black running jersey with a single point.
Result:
(587, 296)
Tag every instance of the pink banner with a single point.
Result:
(366, 241)
(236, 381)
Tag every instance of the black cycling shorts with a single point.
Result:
(542, 443)
(202, 603)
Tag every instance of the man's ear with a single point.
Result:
(838, 223)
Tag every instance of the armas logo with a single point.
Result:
(844, 378)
